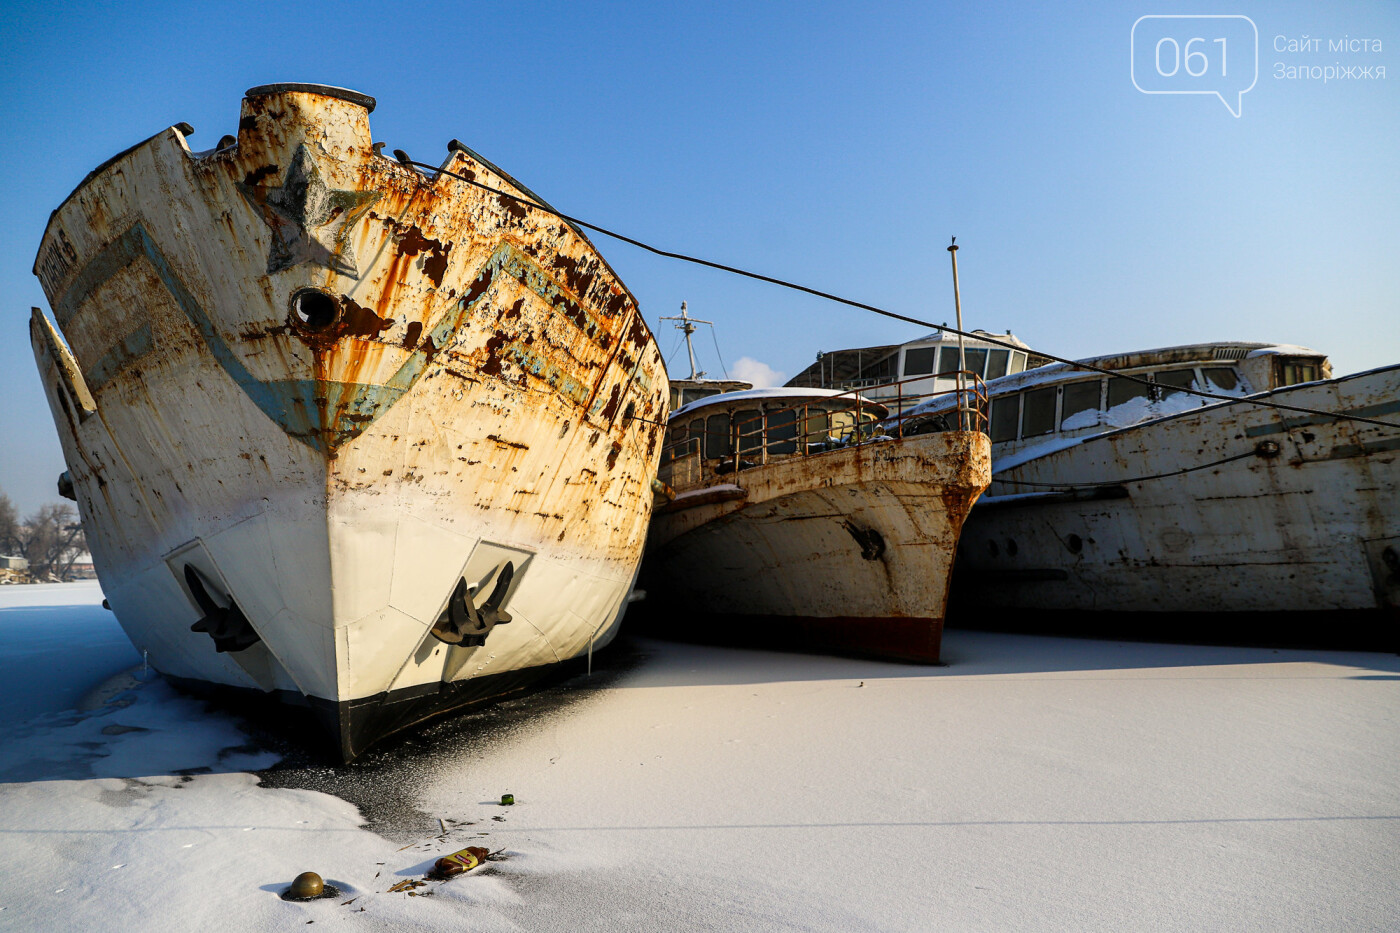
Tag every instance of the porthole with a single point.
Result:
(1074, 543)
(1011, 547)
(313, 310)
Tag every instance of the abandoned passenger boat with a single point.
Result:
(371, 438)
(903, 375)
(791, 524)
(1164, 512)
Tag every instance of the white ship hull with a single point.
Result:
(472, 412)
(848, 550)
(1303, 529)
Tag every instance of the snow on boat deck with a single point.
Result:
(1033, 783)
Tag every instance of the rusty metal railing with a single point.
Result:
(815, 426)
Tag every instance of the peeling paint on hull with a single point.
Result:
(846, 551)
(1311, 528)
(334, 386)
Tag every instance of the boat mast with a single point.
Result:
(962, 351)
(687, 326)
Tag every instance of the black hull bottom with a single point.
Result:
(1333, 630)
(350, 727)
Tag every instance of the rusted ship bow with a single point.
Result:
(794, 521)
(342, 430)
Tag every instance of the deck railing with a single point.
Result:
(815, 426)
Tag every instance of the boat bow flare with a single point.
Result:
(383, 439)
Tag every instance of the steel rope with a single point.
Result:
(1089, 367)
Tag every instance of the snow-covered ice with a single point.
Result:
(1032, 783)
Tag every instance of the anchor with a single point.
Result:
(872, 544)
(227, 625)
(465, 624)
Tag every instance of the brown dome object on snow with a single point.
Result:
(306, 886)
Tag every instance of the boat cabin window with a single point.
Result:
(1018, 363)
(675, 444)
(1222, 377)
(1079, 408)
(782, 432)
(918, 361)
(1082, 403)
(996, 363)
(975, 357)
(749, 424)
(783, 428)
(948, 361)
(1006, 415)
(1293, 370)
(1174, 380)
(840, 421)
(1124, 390)
(690, 395)
(716, 436)
(1038, 412)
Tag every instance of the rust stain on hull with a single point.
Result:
(849, 550)
(298, 295)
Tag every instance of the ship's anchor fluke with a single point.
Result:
(462, 623)
(227, 625)
(872, 544)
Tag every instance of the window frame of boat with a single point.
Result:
(721, 433)
(780, 422)
(766, 430)
(947, 359)
(697, 435)
(1150, 392)
(838, 424)
(749, 427)
(945, 364)
(1305, 368)
(695, 393)
(1098, 405)
(996, 404)
(905, 364)
(815, 415)
(1235, 373)
(675, 435)
(1040, 391)
(1137, 388)
(1167, 389)
(997, 353)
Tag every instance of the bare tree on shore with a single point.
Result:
(50, 539)
(10, 544)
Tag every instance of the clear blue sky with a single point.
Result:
(838, 145)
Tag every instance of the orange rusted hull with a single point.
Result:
(323, 387)
(846, 551)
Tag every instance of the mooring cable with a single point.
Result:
(669, 254)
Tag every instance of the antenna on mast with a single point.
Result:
(962, 352)
(687, 326)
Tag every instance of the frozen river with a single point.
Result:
(1032, 783)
